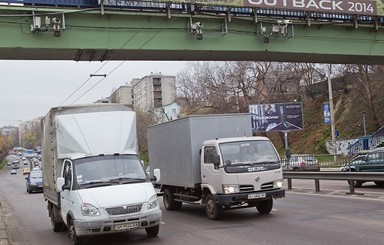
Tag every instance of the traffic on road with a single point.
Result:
(302, 217)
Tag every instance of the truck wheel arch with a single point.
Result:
(206, 192)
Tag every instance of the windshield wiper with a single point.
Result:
(264, 163)
(125, 180)
(98, 183)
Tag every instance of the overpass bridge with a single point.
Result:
(321, 31)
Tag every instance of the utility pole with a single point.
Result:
(332, 111)
(364, 126)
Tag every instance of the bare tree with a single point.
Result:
(143, 120)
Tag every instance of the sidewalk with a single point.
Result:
(3, 233)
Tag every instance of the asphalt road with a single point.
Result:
(303, 217)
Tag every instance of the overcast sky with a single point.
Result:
(30, 88)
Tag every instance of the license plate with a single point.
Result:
(126, 227)
(256, 195)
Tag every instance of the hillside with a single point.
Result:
(350, 103)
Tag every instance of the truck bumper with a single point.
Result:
(117, 224)
(249, 197)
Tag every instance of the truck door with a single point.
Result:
(68, 197)
(210, 175)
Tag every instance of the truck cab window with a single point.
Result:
(67, 173)
(209, 152)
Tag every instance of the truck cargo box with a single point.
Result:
(81, 131)
(174, 146)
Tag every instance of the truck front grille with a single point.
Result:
(245, 188)
(267, 186)
(124, 209)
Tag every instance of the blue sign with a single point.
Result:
(327, 113)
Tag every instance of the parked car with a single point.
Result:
(34, 181)
(13, 171)
(372, 161)
(302, 162)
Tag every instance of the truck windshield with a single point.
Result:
(108, 170)
(248, 152)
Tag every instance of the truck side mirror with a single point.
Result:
(216, 160)
(60, 184)
(156, 174)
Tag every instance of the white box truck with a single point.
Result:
(93, 180)
(214, 160)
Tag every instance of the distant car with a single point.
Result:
(15, 166)
(34, 181)
(302, 162)
(25, 162)
(13, 171)
(26, 171)
(372, 161)
(8, 163)
(15, 161)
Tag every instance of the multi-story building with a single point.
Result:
(153, 91)
(122, 95)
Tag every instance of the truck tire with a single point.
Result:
(212, 209)
(56, 226)
(265, 207)
(169, 200)
(76, 240)
(152, 231)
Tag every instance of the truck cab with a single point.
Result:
(237, 171)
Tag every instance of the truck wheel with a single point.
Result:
(265, 207)
(212, 210)
(56, 226)
(152, 231)
(76, 240)
(169, 200)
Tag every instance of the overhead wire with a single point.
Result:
(137, 31)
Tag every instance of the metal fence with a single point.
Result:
(329, 175)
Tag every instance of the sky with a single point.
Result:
(30, 88)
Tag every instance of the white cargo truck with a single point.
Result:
(94, 182)
(215, 160)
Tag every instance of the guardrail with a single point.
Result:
(327, 175)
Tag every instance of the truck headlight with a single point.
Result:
(278, 184)
(153, 202)
(228, 189)
(89, 210)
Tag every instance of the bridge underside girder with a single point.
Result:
(185, 55)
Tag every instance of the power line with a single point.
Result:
(137, 31)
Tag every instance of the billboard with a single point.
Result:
(276, 117)
(352, 7)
